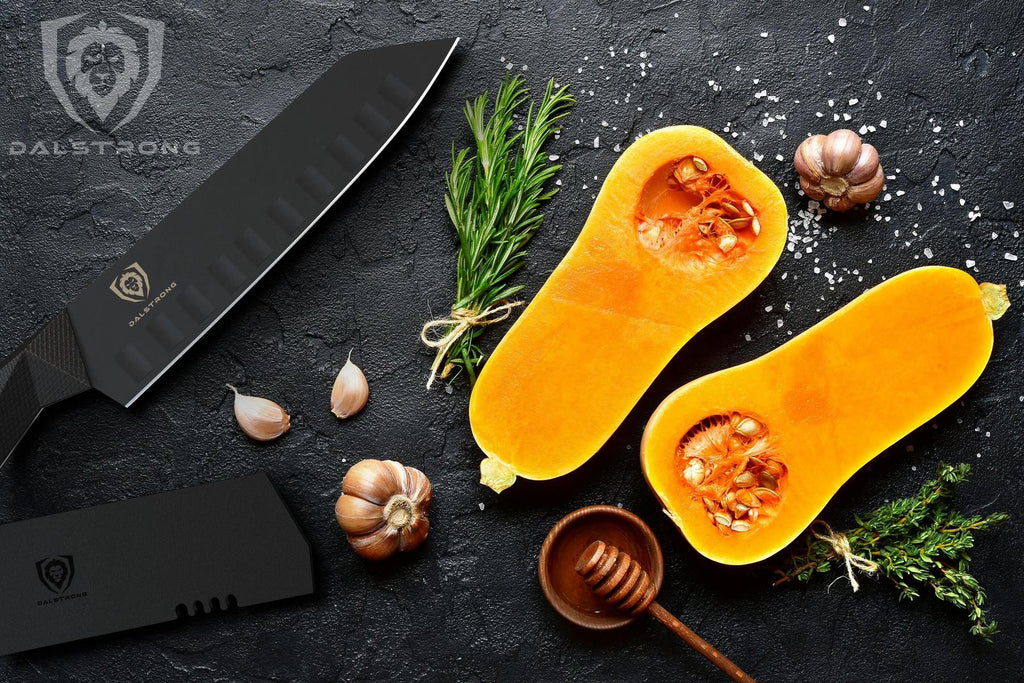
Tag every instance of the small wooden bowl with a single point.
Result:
(564, 587)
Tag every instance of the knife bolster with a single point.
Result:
(44, 370)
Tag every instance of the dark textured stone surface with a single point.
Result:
(468, 605)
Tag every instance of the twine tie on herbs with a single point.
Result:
(841, 547)
(462, 320)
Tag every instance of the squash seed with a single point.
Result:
(700, 164)
(694, 472)
(748, 426)
(768, 481)
(740, 525)
(755, 225)
(746, 480)
(748, 208)
(723, 518)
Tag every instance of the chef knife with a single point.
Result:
(148, 560)
(145, 311)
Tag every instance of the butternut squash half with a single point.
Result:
(682, 229)
(743, 460)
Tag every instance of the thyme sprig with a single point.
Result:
(917, 543)
(495, 192)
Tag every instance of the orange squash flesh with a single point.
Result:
(827, 402)
(640, 281)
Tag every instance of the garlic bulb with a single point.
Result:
(260, 419)
(839, 169)
(383, 508)
(350, 390)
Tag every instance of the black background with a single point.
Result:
(468, 605)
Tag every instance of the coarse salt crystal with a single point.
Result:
(1010, 257)
(842, 21)
(1007, 205)
(970, 263)
(928, 252)
(831, 38)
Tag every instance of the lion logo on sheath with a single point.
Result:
(57, 572)
(132, 284)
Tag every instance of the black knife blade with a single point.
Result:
(147, 561)
(129, 326)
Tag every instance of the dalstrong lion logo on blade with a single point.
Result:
(56, 573)
(132, 284)
(102, 63)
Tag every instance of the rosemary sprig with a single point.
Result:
(916, 542)
(495, 192)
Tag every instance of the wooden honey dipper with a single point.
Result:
(625, 585)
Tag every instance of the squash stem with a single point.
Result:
(994, 300)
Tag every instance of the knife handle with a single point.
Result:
(47, 368)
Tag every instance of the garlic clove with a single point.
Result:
(812, 191)
(379, 545)
(358, 515)
(412, 535)
(371, 480)
(866, 166)
(841, 151)
(868, 190)
(840, 203)
(808, 158)
(259, 418)
(350, 391)
(419, 486)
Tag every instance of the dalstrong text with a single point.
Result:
(157, 299)
(58, 148)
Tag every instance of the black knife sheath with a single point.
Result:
(148, 560)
